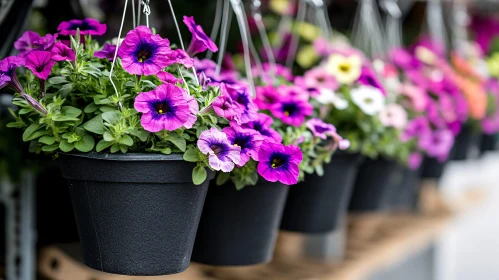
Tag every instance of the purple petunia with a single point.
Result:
(61, 52)
(279, 163)
(262, 124)
(168, 78)
(222, 154)
(40, 63)
(415, 128)
(414, 161)
(319, 128)
(143, 53)
(181, 57)
(200, 41)
(266, 96)
(8, 76)
(168, 107)
(225, 107)
(241, 97)
(368, 78)
(106, 52)
(86, 26)
(248, 139)
(437, 144)
(292, 111)
(31, 40)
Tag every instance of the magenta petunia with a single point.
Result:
(279, 163)
(31, 40)
(144, 53)
(240, 95)
(266, 96)
(168, 78)
(86, 26)
(8, 76)
(248, 139)
(167, 107)
(317, 78)
(193, 109)
(414, 161)
(295, 92)
(181, 57)
(40, 63)
(368, 78)
(262, 124)
(225, 107)
(437, 144)
(107, 51)
(292, 111)
(223, 156)
(61, 52)
(200, 41)
(319, 128)
(415, 128)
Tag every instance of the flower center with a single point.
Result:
(368, 100)
(320, 129)
(278, 161)
(143, 55)
(242, 141)
(344, 67)
(217, 148)
(289, 109)
(162, 108)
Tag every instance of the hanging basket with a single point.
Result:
(137, 214)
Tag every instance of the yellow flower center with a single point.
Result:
(345, 67)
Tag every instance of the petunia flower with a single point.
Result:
(279, 163)
(319, 128)
(294, 92)
(414, 161)
(241, 97)
(61, 52)
(262, 124)
(143, 53)
(292, 111)
(346, 69)
(31, 40)
(368, 78)
(327, 96)
(393, 115)
(248, 139)
(86, 26)
(317, 78)
(271, 72)
(417, 96)
(200, 41)
(222, 154)
(40, 63)
(437, 144)
(415, 128)
(181, 57)
(106, 52)
(167, 107)
(266, 96)
(168, 78)
(8, 76)
(369, 99)
(225, 107)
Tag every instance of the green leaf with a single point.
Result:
(50, 148)
(62, 118)
(192, 155)
(95, 125)
(222, 178)
(66, 89)
(123, 148)
(71, 111)
(319, 170)
(165, 151)
(115, 148)
(141, 134)
(177, 140)
(65, 146)
(90, 108)
(29, 132)
(102, 145)
(108, 137)
(198, 175)
(126, 140)
(57, 80)
(86, 144)
(110, 117)
(47, 140)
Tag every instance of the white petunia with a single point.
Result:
(327, 96)
(369, 99)
(346, 69)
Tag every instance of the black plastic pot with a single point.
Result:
(240, 227)
(318, 204)
(376, 181)
(137, 214)
(431, 168)
(488, 142)
(465, 141)
(405, 196)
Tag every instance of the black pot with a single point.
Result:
(137, 214)
(405, 196)
(239, 227)
(465, 141)
(431, 168)
(488, 143)
(318, 204)
(376, 181)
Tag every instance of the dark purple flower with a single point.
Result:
(225, 107)
(61, 52)
(263, 124)
(279, 163)
(31, 40)
(143, 53)
(248, 139)
(168, 78)
(165, 108)
(368, 78)
(106, 52)
(292, 111)
(241, 97)
(204, 81)
(86, 26)
(222, 154)
(181, 57)
(40, 63)
(200, 41)
(8, 76)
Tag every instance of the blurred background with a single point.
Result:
(39, 239)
